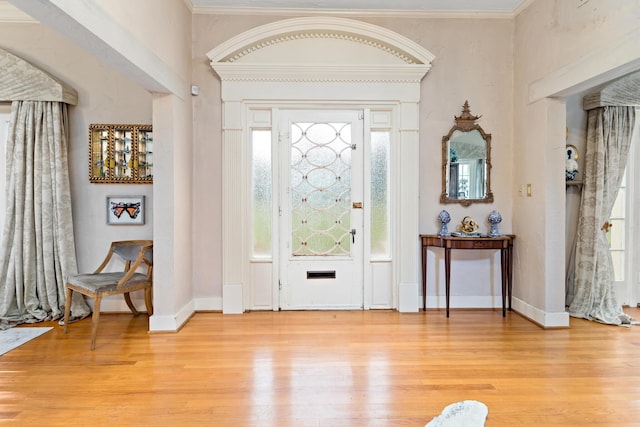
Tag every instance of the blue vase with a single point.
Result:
(444, 219)
(494, 219)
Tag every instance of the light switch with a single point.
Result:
(528, 190)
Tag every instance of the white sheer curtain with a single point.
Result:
(590, 289)
(37, 248)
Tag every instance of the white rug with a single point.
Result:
(15, 337)
(468, 413)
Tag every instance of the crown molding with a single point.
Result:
(525, 4)
(387, 13)
(11, 14)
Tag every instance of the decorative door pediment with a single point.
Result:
(320, 49)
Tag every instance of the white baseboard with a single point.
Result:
(116, 304)
(542, 318)
(208, 304)
(161, 323)
(486, 301)
(172, 323)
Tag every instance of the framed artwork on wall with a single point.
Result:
(125, 210)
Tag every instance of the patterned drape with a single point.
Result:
(591, 295)
(37, 248)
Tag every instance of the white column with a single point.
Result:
(408, 249)
(233, 211)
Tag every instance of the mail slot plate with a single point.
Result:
(321, 274)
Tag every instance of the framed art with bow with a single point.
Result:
(125, 210)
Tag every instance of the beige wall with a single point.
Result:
(104, 96)
(558, 47)
(150, 47)
(473, 62)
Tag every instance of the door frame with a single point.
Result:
(389, 72)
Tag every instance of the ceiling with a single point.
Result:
(399, 5)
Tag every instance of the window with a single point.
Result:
(380, 201)
(261, 193)
(624, 235)
(617, 232)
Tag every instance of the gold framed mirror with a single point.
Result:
(466, 162)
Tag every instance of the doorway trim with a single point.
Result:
(319, 60)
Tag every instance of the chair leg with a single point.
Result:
(67, 308)
(94, 320)
(127, 299)
(148, 299)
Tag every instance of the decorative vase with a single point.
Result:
(444, 219)
(494, 219)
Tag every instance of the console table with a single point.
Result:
(504, 243)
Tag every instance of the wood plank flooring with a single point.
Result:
(324, 368)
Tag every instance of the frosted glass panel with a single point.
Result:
(320, 189)
(380, 183)
(261, 192)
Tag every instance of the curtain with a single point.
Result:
(37, 249)
(591, 295)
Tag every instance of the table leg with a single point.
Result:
(424, 278)
(510, 271)
(504, 273)
(447, 275)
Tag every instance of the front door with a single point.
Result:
(321, 255)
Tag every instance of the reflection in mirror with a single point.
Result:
(466, 162)
(467, 159)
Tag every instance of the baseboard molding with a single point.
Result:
(172, 323)
(159, 323)
(540, 317)
(116, 304)
(476, 301)
(545, 319)
(208, 304)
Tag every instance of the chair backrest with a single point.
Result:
(135, 253)
(129, 249)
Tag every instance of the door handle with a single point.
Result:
(353, 235)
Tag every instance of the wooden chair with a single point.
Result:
(136, 254)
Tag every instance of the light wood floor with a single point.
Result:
(317, 368)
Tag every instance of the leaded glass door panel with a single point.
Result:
(322, 182)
